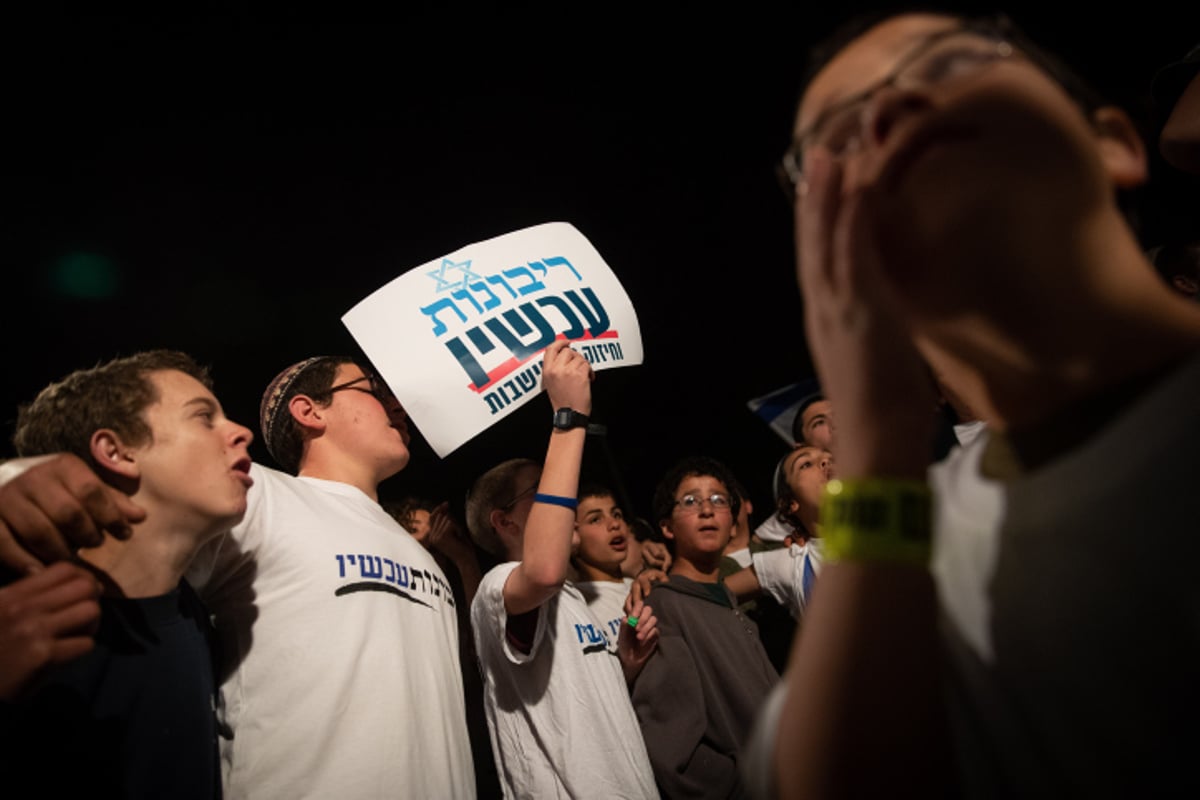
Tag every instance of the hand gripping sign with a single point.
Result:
(459, 339)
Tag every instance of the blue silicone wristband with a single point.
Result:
(556, 500)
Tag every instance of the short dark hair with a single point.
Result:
(283, 436)
(491, 491)
(664, 493)
(798, 420)
(113, 394)
(595, 489)
(402, 510)
(784, 496)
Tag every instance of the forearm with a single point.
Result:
(546, 548)
(744, 584)
(863, 697)
(546, 541)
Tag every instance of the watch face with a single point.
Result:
(567, 418)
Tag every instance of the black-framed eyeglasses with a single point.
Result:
(516, 497)
(692, 503)
(375, 387)
(946, 56)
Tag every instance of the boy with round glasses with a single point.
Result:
(697, 697)
(968, 225)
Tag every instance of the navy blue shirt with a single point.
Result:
(134, 718)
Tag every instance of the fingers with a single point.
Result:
(566, 377)
(15, 557)
(655, 555)
(647, 625)
(815, 210)
(553, 349)
(65, 650)
(57, 603)
(637, 594)
(57, 506)
(46, 618)
(57, 589)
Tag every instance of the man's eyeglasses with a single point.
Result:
(374, 387)
(691, 503)
(508, 506)
(948, 56)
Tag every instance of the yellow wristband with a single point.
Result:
(876, 519)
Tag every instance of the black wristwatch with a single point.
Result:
(567, 418)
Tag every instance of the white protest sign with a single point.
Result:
(460, 339)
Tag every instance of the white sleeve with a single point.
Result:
(490, 620)
(773, 529)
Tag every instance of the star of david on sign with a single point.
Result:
(464, 267)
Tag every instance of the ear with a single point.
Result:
(306, 412)
(499, 519)
(666, 530)
(575, 540)
(793, 507)
(1121, 148)
(748, 506)
(113, 456)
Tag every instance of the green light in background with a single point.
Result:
(86, 276)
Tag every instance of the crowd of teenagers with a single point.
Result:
(1011, 614)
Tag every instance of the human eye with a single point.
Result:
(688, 501)
(841, 130)
(617, 514)
(719, 500)
(952, 59)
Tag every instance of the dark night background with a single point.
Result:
(231, 185)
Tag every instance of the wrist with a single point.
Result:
(884, 520)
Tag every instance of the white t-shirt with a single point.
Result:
(560, 717)
(788, 574)
(344, 640)
(773, 529)
(742, 557)
(606, 599)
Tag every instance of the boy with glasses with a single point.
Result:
(339, 628)
(554, 680)
(697, 697)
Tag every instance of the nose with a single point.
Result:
(887, 107)
(395, 411)
(240, 436)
